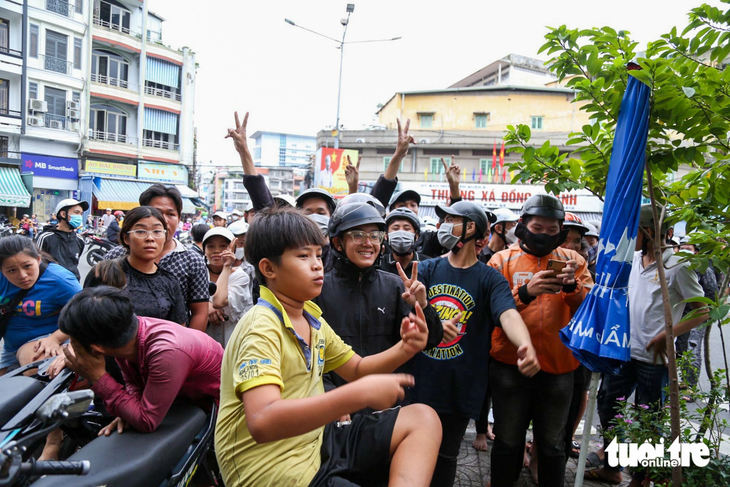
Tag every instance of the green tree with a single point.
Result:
(689, 76)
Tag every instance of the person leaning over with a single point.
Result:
(275, 422)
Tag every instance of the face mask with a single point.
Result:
(321, 221)
(401, 242)
(510, 236)
(539, 244)
(75, 221)
(445, 237)
(234, 218)
(240, 253)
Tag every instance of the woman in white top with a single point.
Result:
(233, 296)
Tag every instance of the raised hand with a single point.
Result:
(415, 290)
(240, 142)
(453, 172)
(414, 332)
(228, 257)
(451, 330)
(404, 139)
(352, 174)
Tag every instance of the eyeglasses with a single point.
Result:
(359, 237)
(141, 234)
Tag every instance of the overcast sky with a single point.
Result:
(250, 59)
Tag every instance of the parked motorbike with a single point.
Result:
(97, 247)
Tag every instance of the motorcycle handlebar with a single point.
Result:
(56, 468)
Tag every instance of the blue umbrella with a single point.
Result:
(599, 332)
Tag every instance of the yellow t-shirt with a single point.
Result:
(264, 349)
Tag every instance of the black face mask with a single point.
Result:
(539, 244)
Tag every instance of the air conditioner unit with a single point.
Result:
(56, 124)
(72, 114)
(74, 126)
(73, 105)
(360, 141)
(424, 141)
(37, 105)
(35, 121)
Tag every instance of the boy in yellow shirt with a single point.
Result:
(275, 425)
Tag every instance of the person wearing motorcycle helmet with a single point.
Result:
(503, 233)
(364, 304)
(316, 200)
(576, 231)
(452, 378)
(546, 300)
(112, 231)
(403, 228)
(592, 235)
(62, 242)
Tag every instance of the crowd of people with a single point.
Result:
(345, 345)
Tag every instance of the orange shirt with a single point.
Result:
(546, 314)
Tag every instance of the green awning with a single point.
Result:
(12, 189)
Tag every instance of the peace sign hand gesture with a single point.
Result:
(404, 139)
(352, 174)
(452, 172)
(415, 290)
(240, 138)
(414, 331)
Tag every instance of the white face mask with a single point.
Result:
(240, 253)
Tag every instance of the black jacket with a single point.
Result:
(365, 308)
(112, 232)
(388, 263)
(64, 247)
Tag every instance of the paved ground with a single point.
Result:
(473, 467)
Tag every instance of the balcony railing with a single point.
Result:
(12, 52)
(160, 144)
(108, 80)
(60, 7)
(56, 121)
(163, 93)
(57, 64)
(111, 26)
(6, 112)
(111, 137)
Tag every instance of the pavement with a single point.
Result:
(473, 466)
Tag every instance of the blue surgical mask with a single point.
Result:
(75, 221)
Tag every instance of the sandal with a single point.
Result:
(593, 460)
(574, 449)
(596, 477)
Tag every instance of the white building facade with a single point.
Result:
(272, 149)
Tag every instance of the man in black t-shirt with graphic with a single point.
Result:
(452, 378)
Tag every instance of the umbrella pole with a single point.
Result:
(587, 424)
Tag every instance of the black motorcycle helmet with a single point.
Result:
(363, 198)
(405, 195)
(404, 214)
(470, 211)
(353, 215)
(545, 205)
(317, 193)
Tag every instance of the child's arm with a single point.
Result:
(517, 333)
(271, 418)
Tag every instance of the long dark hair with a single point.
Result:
(134, 216)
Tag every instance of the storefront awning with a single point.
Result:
(119, 195)
(188, 206)
(12, 189)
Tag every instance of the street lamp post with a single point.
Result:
(341, 47)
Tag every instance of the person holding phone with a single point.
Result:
(548, 285)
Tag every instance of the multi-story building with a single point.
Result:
(280, 149)
(467, 122)
(140, 102)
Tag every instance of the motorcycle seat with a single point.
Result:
(15, 393)
(135, 459)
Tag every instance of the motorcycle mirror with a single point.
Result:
(65, 405)
(212, 288)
